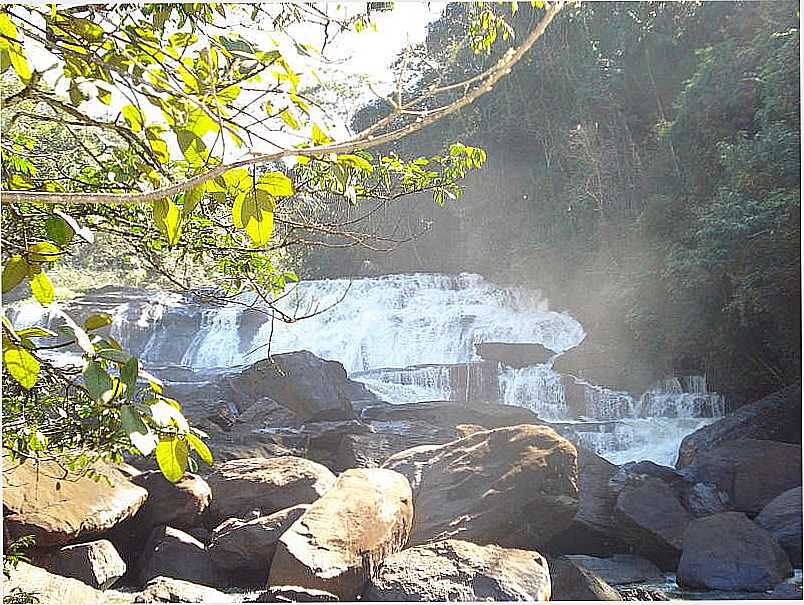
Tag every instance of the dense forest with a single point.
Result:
(643, 171)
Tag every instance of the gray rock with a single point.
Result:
(172, 553)
(454, 570)
(573, 582)
(728, 551)
(782, 518)
(171, 590)
(48, 587)
(97, 563)
(180, 505)
(295, 594)
(619, 569)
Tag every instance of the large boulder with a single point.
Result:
(449, 414)
(171, 590)
(777, 417)
(728, 551)
(48, 587)
(751, 471)
(309, 386)
(180, 505)
(58, 507)
(96, 563)
(245, 549)
(173, 553)
(454, 570)
(782, 518)
(265, 485)
(652, 520)
(573, 582)
(344, 536)
(513, 486)
(619, 569)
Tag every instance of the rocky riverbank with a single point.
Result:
(321, 492)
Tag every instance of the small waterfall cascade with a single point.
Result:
(412, 338)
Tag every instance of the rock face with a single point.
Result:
(344, 536)
(295, 594)
(39, 500)
(48, 587)
(309, 386)
(728, 551)
(572, 582)
(782, 518)
(513, 486)
(180, 505)
(652, 520)
(454, 570)
(245, 547)
(751, 471)
(514, 354)
(619, 569)
(265, 485)
(777, 417)
(94, 563)
(171, 552)
(171, 590)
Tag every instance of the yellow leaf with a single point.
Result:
(167, 219)
(22, 366)
(42, 288)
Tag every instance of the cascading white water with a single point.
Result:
(537, 388)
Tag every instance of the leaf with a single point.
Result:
(319, 136)
(19, 62)
(166, 416)
(254, 212)
(200, 447)
(171, 456)
(191, 200)
(114, 355)
(275, 184)
(36, 332)
(158, 145)
(128, 374)
(80, 335)
(134, 117)
(167, 219)
(58, 230)
(44, 252)
(42, 288)
(84, 233)
(140, 435)
(14, 272)
(289, 119)
(22, 366)
(98, 383)
(97, 320)
(355, 161)
(104, 96)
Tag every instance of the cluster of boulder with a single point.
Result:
(338, 497)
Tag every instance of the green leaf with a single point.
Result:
(36, 332)
(134, 117)
(44, 252)
(42, 288)
(140, 435)
(58, 230)
(275, 184)
(167, 218)
(14, 272)
(200, 447)
(355, 161)
(98, 383)
(84, 233)
(128, 374)
(254, 212)
(191, 200)
(97, 320)
(158, 145)
(171, 456)
(289, 119)
(114, 355)
(22, 366)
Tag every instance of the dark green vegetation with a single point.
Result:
(644, 172)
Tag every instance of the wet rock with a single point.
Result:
(599, 364)
(454, 570)
(48, 587)
(777, 417)
(514, 354)
(619, 569)
(295, 594)
(265, 485)
(171, 590)
(652, 520)
(641, 593)
(573, 582)
(514, 486)
(175, 554)
(449, 414)
(728, 551)
(180, 505)
(782, 518)
(786, 591)
(58, 507)
(751, 471)
(245, 548)
(344, 536)
(97, 563)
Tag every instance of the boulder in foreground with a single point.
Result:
(175, 554)
(782, 518)
(573, 582)
(454, 570)
(619, 569)
(48, 587)
(728, 551)
(180, 505)
(515, 486)
(97, 563)
(171, 590)
(339, 542)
